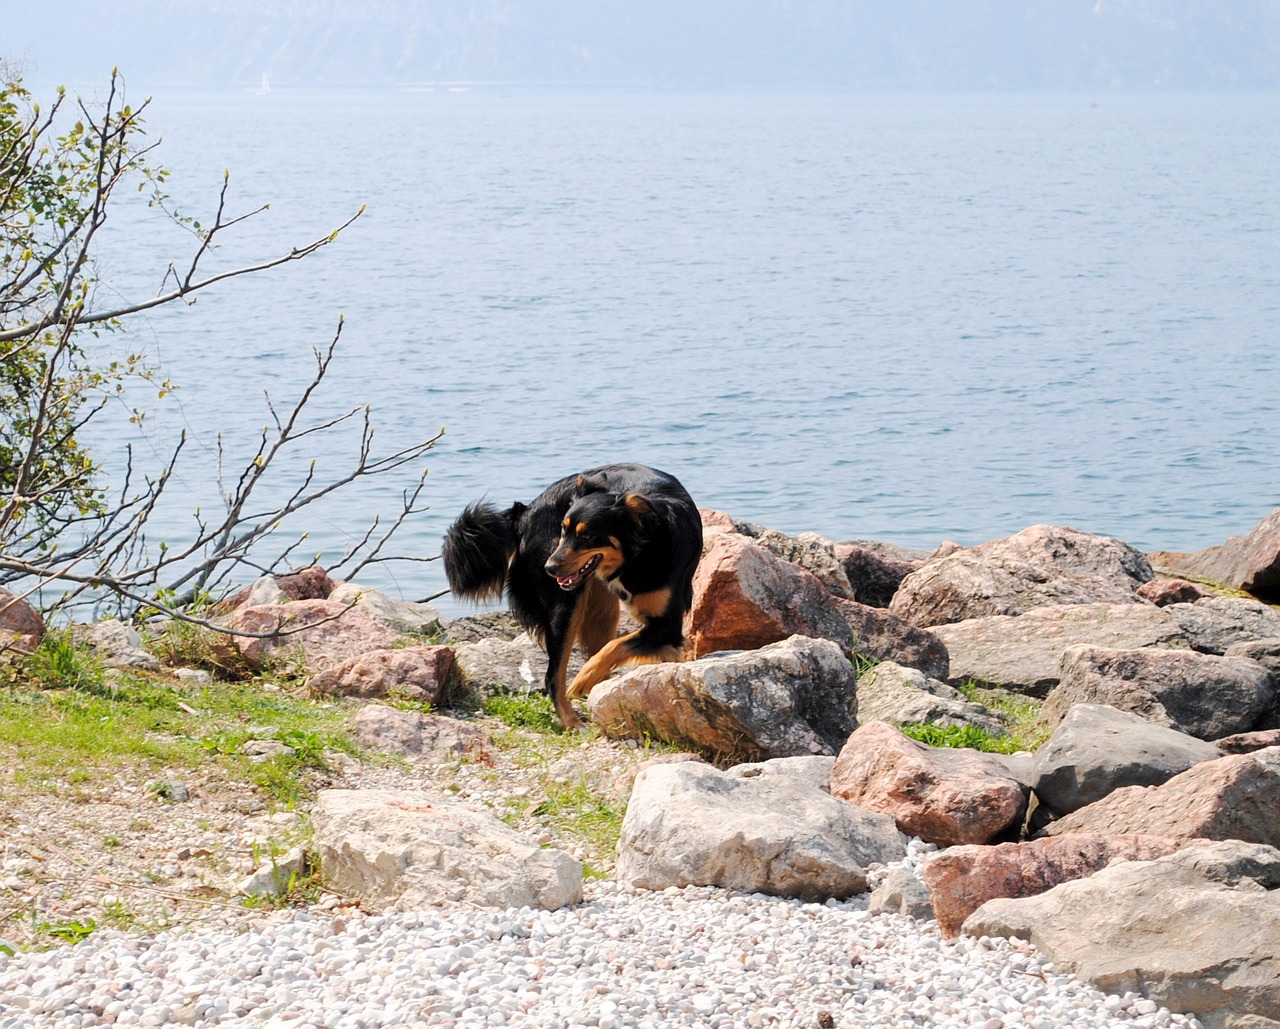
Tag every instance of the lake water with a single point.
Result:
(900, 318)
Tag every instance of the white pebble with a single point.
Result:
(697, 957)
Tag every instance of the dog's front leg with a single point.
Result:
(559, 644)
(604, 661)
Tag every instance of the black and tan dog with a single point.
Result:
(623, 532)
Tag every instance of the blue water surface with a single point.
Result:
(899, 318)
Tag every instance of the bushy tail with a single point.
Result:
(477, 550)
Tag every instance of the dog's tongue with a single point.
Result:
(565, 581)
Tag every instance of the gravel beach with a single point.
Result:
(696, 957)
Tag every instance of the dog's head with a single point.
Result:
(597, 533)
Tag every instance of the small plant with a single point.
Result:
(524, 711)
(58, 664)
(574, 809)
(968, 737)
(862, 662)
(72, 931)
(1020, 715)
(116, 914)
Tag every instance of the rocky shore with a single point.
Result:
(800, 860)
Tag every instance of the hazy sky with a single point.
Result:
(844, 44)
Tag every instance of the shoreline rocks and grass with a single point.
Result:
(1034, 782)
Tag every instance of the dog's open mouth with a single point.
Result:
(568, 582)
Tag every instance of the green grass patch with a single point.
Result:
(968, 737)
(65, 722)
(524, 711)
(1019, 714)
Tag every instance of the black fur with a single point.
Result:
(619, 532)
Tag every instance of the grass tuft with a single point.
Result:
(968, 737)
(524, 711)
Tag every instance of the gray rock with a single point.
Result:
(259, 751)
(1139, 917)
(1215, 624)
(486, 625)
(116, 645)
(816, 770)
(405, 849)
(689, 824)
(1023, 653)
(1235, 797)
(276, 877)
(1203, 695)
(1096, 749)
(435, 737)
(1042, 565)
(901, 893)
(876, 570)
(893, 693)
(812, 552)
(497, 665)
(400, 615)
(1265, 651)
(787, 699)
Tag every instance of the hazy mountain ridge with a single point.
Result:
(912, 44)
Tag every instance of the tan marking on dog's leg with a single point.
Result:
(599, 617)
(564, 710)
(663, 656)
(597, 669)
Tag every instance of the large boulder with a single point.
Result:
(1023, 653)
(1202, 695)
(497, 665)
(312, 634)
(795, 697)
(21, 625)
(1216, 624)
(875, 570)
(890, 692)
(400, 615)
(1042, 565)
(878, 634)
(813, 553)
(689, 824)
(115, 644)
(961, 879)
(1097, 749)
(1235, 797)
(435, 738)
(1267, 653)
(404, 849)
(943, 796)
(1250, 562)
(412, 673)
(1162, 591)
(310, 583)
(1195, 931)
(1264, 650)
(745, 597)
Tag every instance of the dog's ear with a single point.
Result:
(637, 506)
(515, 511)
(590, 485)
